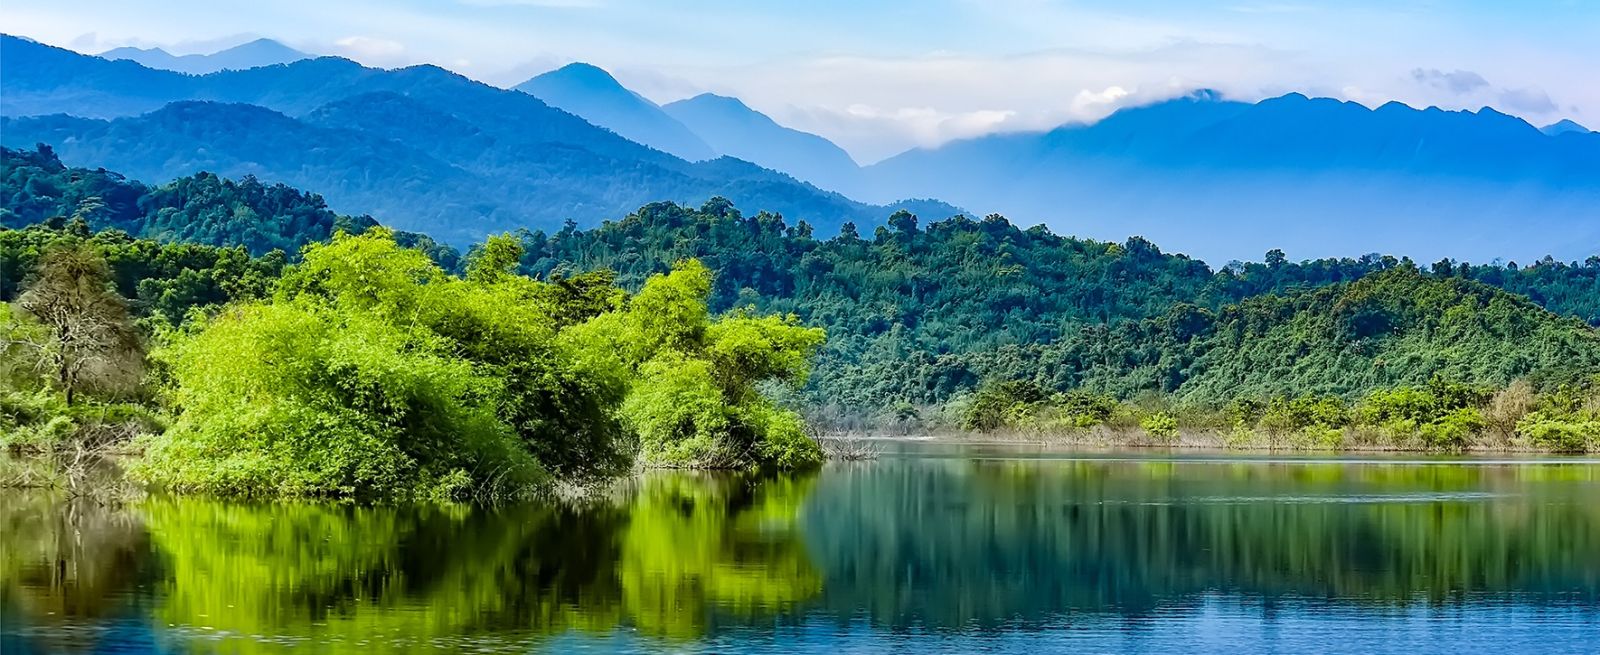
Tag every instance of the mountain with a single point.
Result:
(1564, 126)
(260, 52)
(732, 128)
(420, 148)
(1316, 177)
(593, 94)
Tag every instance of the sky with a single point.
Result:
(879, 77)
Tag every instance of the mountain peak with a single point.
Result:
(592, 94)
(1564, 126)
(733, 128)
(251, 54)
(712, 99)
(583, 73)
(117, 53)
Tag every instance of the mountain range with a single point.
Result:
(260, 52)
(420, 148)
(1219, 179)
(1313, 176)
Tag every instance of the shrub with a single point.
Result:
(1160, 425)
(999, 404)
(1453, 430)
(1285, 415)
(1559, 433)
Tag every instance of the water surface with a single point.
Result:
(931, 548)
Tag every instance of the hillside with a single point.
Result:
(352, 132)
(919, 313)
(197, 209)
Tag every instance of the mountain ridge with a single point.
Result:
(252, 54)
(1219, 177)
(538, 165)
(593, 94)
(732, 127)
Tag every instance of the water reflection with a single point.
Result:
(898, 546)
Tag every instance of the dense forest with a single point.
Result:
(918, 314)
(202, 208)
(264, 345)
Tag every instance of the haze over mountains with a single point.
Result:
(260, 52)
(593, 94)
(420, 148)
(1313, 176)
(430, 150)
(733, 129)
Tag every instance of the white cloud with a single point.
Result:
(372, 51)
(1458, 82)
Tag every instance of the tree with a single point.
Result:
(91, 339)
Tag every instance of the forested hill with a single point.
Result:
(201, 208)
(917, 313)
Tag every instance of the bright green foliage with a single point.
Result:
(693, 398)
(1451, 431)
(1561, 434)
(1567, 420)
(1026, 406)
(373, 372)
(1444, 414)
(1160, 425)
(295, 399)
(1288, 415)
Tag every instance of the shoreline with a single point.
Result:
(1202, 440)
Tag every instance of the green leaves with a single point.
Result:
(372, 373)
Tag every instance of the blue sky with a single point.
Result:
(879, 77)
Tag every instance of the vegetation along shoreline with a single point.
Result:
(237, 338)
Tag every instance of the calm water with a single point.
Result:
(929, 549)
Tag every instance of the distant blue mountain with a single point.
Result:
(1317, 177)
(1564, 126)
(594, 95)
(420, 148)
(260, 52)
(733, 129)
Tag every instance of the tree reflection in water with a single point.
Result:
(944, 545)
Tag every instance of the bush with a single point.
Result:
(998, 404)
(693, 383)
(1453, 430)
(1559, 433)
(1285, 415)
(1160, 425)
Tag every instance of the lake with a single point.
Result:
(932, 547)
